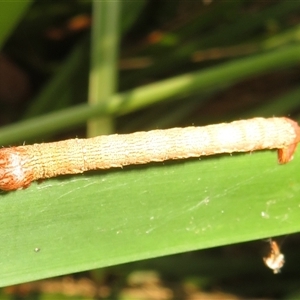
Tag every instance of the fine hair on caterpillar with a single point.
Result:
(21, 165)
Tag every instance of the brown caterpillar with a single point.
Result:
(19, 166)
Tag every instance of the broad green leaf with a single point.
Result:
(76, 223)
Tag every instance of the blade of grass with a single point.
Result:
(75, 65)
(63, 80)
(78, 223)
(227, 73)
(10, 15)
(103, 73)
(225, 35)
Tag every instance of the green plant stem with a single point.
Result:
(141, 97)
(105, 42)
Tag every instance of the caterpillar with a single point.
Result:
(21, 165)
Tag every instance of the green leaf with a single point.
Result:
(10, 15)
(99, 219)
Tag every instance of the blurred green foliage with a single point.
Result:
(181, 63)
